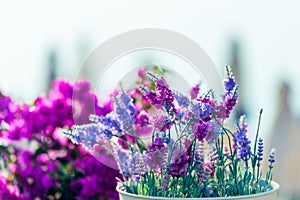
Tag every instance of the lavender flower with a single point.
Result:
(229, 83)
(260, 150)
(182, 100)
(214, 155)
(242, 140)
(165, 182)
(199, 159)
(125, 99)
(107, 122)
(132, 162)
(125, 118)
(229, 103)
(151, 96)
(125, 111)
(271, 158)
(123, 162)
(166, 95)
(85, 135)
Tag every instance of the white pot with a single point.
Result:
(270, 195)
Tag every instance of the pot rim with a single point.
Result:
(275, 188)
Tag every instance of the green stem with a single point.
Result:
(257, 131)
(255, 144)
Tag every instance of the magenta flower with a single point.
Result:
(8, 190)
(194, 92)
(201, 130)
(43, 170)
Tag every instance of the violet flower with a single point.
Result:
(178, 168)
(260, 150)
(229, 83)
(271, 158)
(201, 130)
(242, 141)
(201, 110)
(182, 100)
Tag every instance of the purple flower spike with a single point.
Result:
(271, 158)
(229, 84)
(107, 122)
(165, 182)
(260, 150)
(165, 94)
(229, 104)
(182, 100)
(125, 99)
(125, 118)
(242, 141)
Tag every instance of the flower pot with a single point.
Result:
(270, 195)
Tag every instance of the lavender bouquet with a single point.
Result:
(190, 153)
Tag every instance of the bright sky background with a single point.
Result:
(268, 31)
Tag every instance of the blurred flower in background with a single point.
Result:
(39, 163)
